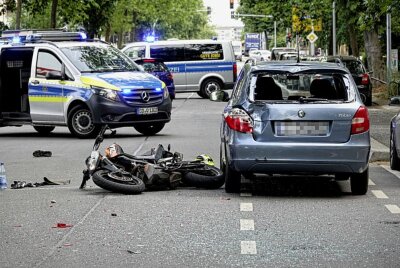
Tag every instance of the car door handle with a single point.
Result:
(35, 82)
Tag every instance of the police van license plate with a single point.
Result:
(147, 110)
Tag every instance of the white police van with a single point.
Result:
(201, 66)
(55, 78)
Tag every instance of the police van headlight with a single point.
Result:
(166, 93)
(106, 93)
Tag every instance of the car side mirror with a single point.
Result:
(220, 95)
(54, 75)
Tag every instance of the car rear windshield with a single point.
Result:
(153, 66)
(355, 67)
(335, 87)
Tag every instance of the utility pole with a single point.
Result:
(333, 29)
(388, 47)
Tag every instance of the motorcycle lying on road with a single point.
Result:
(159, 168)
(106, 174)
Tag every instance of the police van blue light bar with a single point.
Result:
(47, 35)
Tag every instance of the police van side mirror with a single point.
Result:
(220, 95)
(54, 75)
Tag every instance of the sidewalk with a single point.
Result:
(379, 152)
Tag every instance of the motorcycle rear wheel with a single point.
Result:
(119, 182)
(208, 177)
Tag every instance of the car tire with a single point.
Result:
(210, 85)
(359, 183)
(149, 129)
(394, 159)
(44, 130)
(232, 177)
(80, 123)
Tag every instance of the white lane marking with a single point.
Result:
(246, 194)
(246, 225)
(379, 194)
(370, 182)
(246, 206)
(248, 247)
(394, 172)
(393, 209)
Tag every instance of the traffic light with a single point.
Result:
(231, 2)
(232, 14)
(208, 10)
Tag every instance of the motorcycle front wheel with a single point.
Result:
(118, 181)
(208, 177)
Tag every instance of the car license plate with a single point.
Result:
(302, 128)
(147, 110)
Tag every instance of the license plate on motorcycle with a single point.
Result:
(147, 110)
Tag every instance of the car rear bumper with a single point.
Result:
(250, 156)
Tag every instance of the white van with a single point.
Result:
(202, 66)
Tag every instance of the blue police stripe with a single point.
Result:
(200, 67)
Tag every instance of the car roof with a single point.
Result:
(343, 58)
(295, 67)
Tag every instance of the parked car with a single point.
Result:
(158, 68)
(260, 54)
(319, 126)
(359, 73)
(395, 142)
(276, 50)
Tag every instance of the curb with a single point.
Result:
(379, 152)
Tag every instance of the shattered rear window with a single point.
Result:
(305, 87)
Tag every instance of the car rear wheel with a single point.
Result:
(359, 183)
(394, 159)
(210, 85)
(149, 129)
(232, 177)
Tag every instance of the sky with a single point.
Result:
(221, 13)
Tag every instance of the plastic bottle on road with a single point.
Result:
(3, 178)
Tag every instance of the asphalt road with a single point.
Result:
(274, 222)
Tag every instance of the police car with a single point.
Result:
(56, 78)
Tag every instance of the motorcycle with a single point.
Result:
(106, 174)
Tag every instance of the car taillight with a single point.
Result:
(360, 121)
(365, 79)
(234, 72)
(239, 120)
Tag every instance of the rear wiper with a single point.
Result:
(305, 100)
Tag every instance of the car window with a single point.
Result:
(355, 67)
(47, 62)
(168, 52)
(204, 52)
(136, 52)
(299, 87)
(154, 67)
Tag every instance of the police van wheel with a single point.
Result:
(44, 130)
(149, 129)
(80, 123)
(210, 85)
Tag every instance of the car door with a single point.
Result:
(45, 90)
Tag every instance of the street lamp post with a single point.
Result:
(333, 29)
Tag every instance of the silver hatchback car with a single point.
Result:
(295, 118)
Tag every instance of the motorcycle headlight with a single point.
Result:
(106, 93)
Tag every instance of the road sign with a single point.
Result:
(312, 37)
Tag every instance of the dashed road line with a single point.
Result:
(248, 247)
(393, 209)
(246, 225)
(246, 206)
(370, 182)
(379, 194)
(246, 194)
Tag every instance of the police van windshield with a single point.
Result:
(91, 59)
